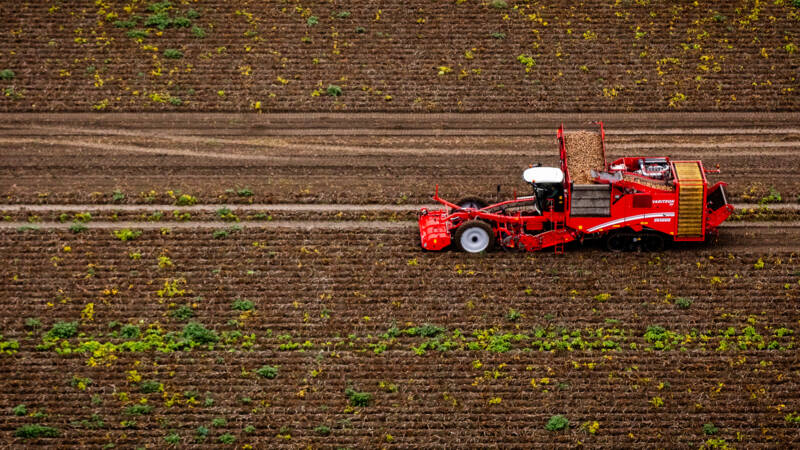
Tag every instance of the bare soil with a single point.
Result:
(634, 349)
(394, 159)
(416, 56)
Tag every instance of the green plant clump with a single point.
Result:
(33, 323)
(36, 431)
(20, 410)
(219, 234)
(130, 331)
(683, 303)
(358, 398)
(172, 53)
(196, 333)
(709, 429)
(334, 90)
(185, 200)
(227, 438)
(242, 305)
(63, 330)
(198, 32)
(149, 387)
(322, 430)
(137, 34)
(126, 234)
(138, 410)
(557, 423)
(425, 330)
(269, 372)
(219, 422)
(201, 433)
(77, 227)
(7, 74)
(182, 313)
(172, 438)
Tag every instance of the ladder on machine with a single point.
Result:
(558, 225)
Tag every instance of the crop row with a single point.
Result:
(168, 215)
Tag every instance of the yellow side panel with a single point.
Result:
(690, 199)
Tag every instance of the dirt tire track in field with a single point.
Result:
(672, 148)
(290, 207)
(306, 224)
(750, 237)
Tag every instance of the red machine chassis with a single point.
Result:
(639, 206)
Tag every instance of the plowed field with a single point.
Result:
(470, 56)
(257, 281)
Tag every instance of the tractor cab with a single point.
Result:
(548, 187)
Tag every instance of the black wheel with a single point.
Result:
(471, 202)
(618, 242)
(652, 242)
(475, 236)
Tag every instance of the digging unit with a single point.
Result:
(631, 203)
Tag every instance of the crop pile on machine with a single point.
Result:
(631, 203)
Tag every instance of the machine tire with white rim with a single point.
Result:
(475, 236)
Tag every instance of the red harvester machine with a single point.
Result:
(632, 203)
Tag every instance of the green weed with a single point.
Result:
(322, 430)
(138, 410)
(196, 333)
(358, 398)
(242, 305)
(185, 200)
(126, 234)
(63, 330)
(269, 372)
(198, 32)
(149, 387)
(334, 90)
(137, 34)
(219, 422)
(172, 438)
(557, 423)
(172, 53)
(36, 431)
(130, 332)
(182, 313)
